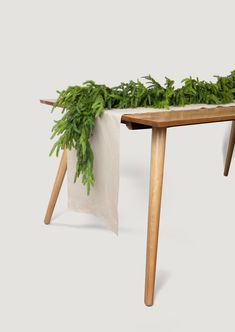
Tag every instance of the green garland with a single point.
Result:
(83, 104)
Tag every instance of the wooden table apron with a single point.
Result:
(158, 122)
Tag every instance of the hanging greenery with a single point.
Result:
(83, 104)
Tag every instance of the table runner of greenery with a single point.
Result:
(83, 104)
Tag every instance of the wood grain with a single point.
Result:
(155, 194)
(173, 118)
(181, 118)
(159, 121)
(47, 101)
(230, 150)
(56, 188)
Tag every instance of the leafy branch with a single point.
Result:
(83, 104)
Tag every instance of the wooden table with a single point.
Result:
(158, 122)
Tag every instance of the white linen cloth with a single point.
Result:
(103, 199)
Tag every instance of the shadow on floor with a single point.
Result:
(122, 230)
(162, 277)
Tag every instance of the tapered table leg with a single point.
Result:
(230, 150)
(56, 188)
(155, 193)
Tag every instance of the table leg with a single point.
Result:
(155, 193)
(56, 188)
(230, 150)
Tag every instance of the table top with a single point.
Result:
(173, 118)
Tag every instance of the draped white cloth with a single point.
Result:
(103, 199)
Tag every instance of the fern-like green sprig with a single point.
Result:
(83, 104)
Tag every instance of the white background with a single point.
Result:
(74, 275)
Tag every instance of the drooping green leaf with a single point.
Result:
(81, 105)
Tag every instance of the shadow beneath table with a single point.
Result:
(58, 214)
(122, 230)
(162, 277)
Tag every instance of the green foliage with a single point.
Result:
(83, 104)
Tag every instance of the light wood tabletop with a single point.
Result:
(159, 122)
(166, 119)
